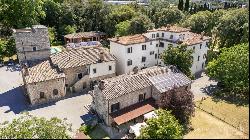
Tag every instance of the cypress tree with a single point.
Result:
(180, 5)
(186, 5)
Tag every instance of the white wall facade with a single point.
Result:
(102, 69)
(121, 52)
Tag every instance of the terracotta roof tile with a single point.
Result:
(84, 34)
(127, 83)
(173, 28)
(80, 56)
(42, 72)
(194, 38)
(131, 39)
(133, 111)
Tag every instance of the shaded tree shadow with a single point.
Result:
(15, 100)
(18, 102)
(217, 94)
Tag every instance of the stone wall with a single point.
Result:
(47, 87)
(26, 39)
(125, 101)
(73, 81)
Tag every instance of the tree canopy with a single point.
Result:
(232, 69)
(168, 16)
(165, 126)
(21, 13)
(232, 28)
(179, 56)
(30, 127)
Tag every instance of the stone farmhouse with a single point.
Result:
(144, 50)
(49, 77)
(32, 43)
(123, 100)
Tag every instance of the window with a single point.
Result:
(115, 107)
(129, 62)
(162, 34)
(203, 65)
(157, 35)
(42, 95)
(206, 44)
(110, 67)
(142, 97)
(156, 56)
(156, 45)
(171, 36)
(159, 55)
(194, 48)
(153, 35)
(198, 58)
(55, 92)
(161, 44)
(94, 70)
(204, 56)
(143, 47)
(200, 46)
(143, 59)
(130, 50)
(79, 75)
(151, 53)
(34, 48)
(151, 43)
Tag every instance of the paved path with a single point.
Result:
(202, 87)
(12, 102)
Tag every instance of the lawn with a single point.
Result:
(208, 127)
(237, 116)
(98, 133)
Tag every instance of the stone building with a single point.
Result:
(123, 100)
(84, 65)
(32, 43)
(144, 50)
(43, 82)
(84, 37)
(71, 71)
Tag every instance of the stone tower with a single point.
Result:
(32, 44)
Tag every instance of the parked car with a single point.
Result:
(11, 62)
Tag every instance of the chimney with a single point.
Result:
(26, 71)
(135, 69)
(202, 35)
(101, 85)
(101, 56)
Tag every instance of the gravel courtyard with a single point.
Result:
(12, 102)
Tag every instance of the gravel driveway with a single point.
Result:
(203, 87)
(12, 102)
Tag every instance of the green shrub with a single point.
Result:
(86, 129)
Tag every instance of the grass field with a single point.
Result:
(237, 116)
(208, 127)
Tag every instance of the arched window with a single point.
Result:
(55, 92)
